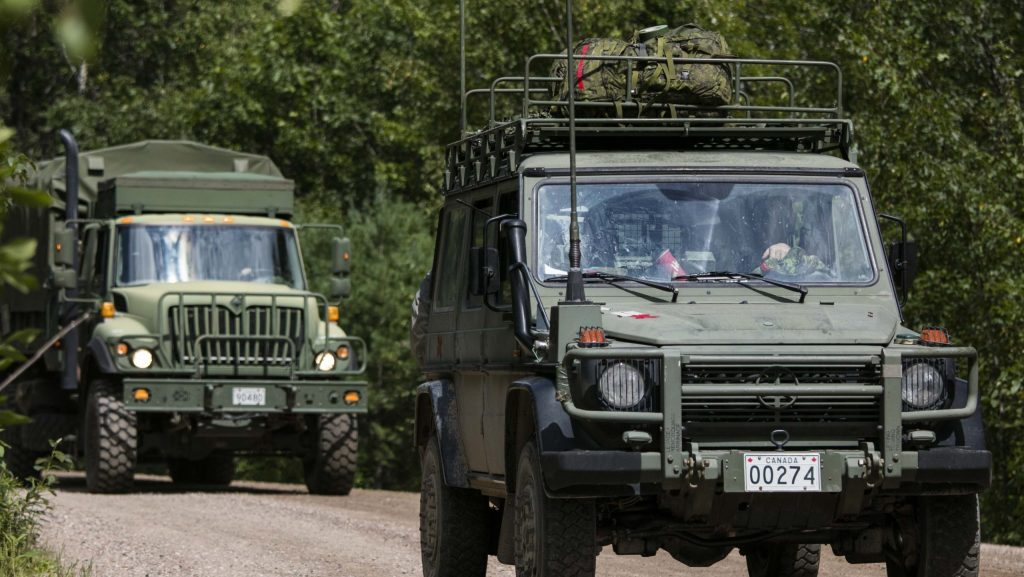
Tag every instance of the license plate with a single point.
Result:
(780, 472)
(249, 396)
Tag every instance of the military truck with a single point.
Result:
(669, 326)
(178, 323)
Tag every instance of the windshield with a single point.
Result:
(183, 253)
(663, 231)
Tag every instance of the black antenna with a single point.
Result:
(574, 284)
(462, 67)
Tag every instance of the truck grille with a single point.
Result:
(190, 322)
(773, 409)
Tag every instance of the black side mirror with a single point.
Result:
(483, 264)
(65, 243)
(902, 258)
(340, 288)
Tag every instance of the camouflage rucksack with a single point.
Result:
(596, 80)
(686, 83)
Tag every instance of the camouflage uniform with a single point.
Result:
(796, 263)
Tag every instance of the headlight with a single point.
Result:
(142, 358)
(324, 361)
(621, 386)
(924, 387)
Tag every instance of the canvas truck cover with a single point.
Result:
(96, 166)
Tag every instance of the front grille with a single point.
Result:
(226, 332)
(774, 409)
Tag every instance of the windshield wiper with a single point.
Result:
(614, 278)
(742, 275)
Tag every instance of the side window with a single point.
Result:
(506, 205)
(483, 211)
(446, 285)
(99, 268)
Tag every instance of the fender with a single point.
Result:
(552, 426)
(100, 353)
(445, 421)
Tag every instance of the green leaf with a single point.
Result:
(18, 249)
(29, 197)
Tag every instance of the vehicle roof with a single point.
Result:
(741, 159)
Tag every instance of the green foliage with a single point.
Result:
(20, 509)
(356, 99)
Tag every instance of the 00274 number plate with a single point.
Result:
(771, 472)
(249, 396)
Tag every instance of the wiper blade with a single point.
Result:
(614, 278)
(742, 275)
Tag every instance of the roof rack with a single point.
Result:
(496, 151)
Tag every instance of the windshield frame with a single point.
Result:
(631, 178)
(300, 284)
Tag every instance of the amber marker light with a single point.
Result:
(209, 220)
(934, 336)
(592, 337)
(333, 314)
(352, 397)
(228, 220)
(141, 395)
(122, 349)
(107, 310)
(188, 218)
(126, 220)
(342, 352)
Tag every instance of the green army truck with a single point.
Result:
(685, 336)
(178, 323)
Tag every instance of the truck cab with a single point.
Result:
(202, 339)
(738, 373)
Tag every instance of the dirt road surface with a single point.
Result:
(262, 529)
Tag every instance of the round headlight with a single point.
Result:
(142, 358)
(923, 387)
(324, 361)
(621, 386)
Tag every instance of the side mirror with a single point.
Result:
(65, 278)
(340, 288)
(902, 260)
(341, 252)
(483, 265)
(65, 243)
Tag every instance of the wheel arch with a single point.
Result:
(437, 412)
(532, 410)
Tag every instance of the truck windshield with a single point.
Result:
(665, 230)
(183, 253)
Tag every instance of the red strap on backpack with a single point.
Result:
(579, 68)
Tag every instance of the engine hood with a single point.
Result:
(664, 324)
(143, 300)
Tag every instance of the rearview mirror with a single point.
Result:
(341, 252)
(65, 278)
(483, 266)
(341, 288)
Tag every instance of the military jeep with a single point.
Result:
(724, 366)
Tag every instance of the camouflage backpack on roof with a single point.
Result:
(605, 81)
(686, 83)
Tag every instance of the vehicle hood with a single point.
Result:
(664, 324)
(143, 299)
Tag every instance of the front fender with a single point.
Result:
(127, 328)
(533, 410)
(436, 408)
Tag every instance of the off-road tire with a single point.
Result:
(331, 469)
(454, 523)
(110, 440)
(947, 534)
(553, 537)
(784, 560)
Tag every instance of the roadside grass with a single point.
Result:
(21, 507)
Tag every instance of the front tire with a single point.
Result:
(784, 560)
(110, 440)
(454, 523)
(553, 537)
(942, 540)
(331, 469)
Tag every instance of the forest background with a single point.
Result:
(355, 99)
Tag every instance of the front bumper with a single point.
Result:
(217, 396)
(596, 473)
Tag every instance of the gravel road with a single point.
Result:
(263, 529)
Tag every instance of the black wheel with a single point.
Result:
(454, 523)
(110, 440)
(784, 560)
(553, 537)
(942, 540)
(331, 469)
